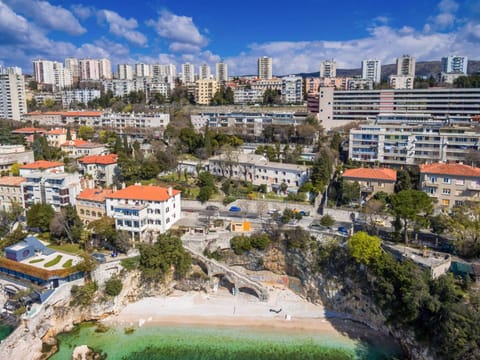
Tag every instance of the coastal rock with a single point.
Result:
(83, 352)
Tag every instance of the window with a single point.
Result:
(446, 180)
(433, 179)
(458, 202)
(445, 202)
(446, 191)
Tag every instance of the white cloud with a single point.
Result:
(48, 16)
(444, 20)
(177, 47)
(82, 11)
(448, 6)
(122, 27)
(179, 29)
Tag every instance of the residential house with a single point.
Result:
(10, 191)
(41, 165)
(14, 154)
(101, 168)
(450, 184)
(79, 148)
(372, 180)
(91, 204)
(144, 211)
(56, 137)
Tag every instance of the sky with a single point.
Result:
(298, 35)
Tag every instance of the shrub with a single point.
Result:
(240, 244)
(113, 286)
(327, 220)
(130, 263)
(83, 295)
(260, 241)
(34, 261)
(67, 264)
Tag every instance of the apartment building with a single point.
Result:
(205, 72)
(13, 103)
(205, 91)
(142, 70)
(124, 71)
(292, 89)
(455, 64)
(328, 69)
(135, 120)
(266, 84)
(52, 73)
(188, 73)
(372, 180)
(401, 81)
(244, 96)
(10, 191)
(264, 67)
(221, 72)
(450, 184)
(79, 148)
(79, 96)
(338, 107)
(371, 70)
(57, 137)
(90, 204)
(41, 165)
(14, 154)
(410, 139)
(258, 170)
(144, 211)
(406, 65)
(101, 168)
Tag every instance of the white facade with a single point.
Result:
(142, 70)
(72, 65)
(89, 69)
(144, 211)
(247, 96)
(125, 71)
(264, 67)
(99, 168)
(328, 69)
(406, 66)
(135, 120)
(292, 89)
(401, 81)
(13, 102)
(188, 73)
(105, 69)
(56, 189)
(371, 70)
(221, 72)
(11, 154)
(52, 73)
(83, 96)
(258, 170)
(205, 72)
(455, 64)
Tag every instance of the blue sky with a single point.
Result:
(296, 34)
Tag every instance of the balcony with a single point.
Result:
(429, 183)
(474, 186)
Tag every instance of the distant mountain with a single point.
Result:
(422, 68)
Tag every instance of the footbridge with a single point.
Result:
(235, 280)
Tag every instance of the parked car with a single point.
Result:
(212, 208)
(272, 211)
(343, 230)
(235, 209)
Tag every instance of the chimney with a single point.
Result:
(123, 185)
(170, 192)
(114, 188)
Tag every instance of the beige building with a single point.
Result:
(372, 181)
(205, 90)
(101, 168)
(10, 191)
(91, 204)
(450, 184)
(11, 154)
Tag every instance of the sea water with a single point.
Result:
(179, 342)
(5, 330)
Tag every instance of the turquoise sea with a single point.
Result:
(178, 342)
(5, 330)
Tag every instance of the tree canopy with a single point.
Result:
(40, 216)
(364, 248)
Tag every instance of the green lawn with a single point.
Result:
(54, 261)
(68, 248)
(36, 261)
(67, 264)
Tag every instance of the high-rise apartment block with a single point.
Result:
(93, 69)
(52, 73)
(205, 72)
(125, 71)
(72, 65)
(205, 90)
(292, 89)
(264, 67)
(221, 71)
(406, 66)
(455, 64)
(188, 73)
(13, 102)
(142, 70)
(328, 69)
(371, 70)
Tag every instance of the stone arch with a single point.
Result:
(202, 265)
(249, 290)
(225, 282)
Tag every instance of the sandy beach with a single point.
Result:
(284, 310)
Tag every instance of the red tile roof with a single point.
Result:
(374, 174)
(140, 192)
(29, 130)
(57, 132)
(42, 164)
(97, 195)
(11, 180)
(74, 142)
(450, 169)
(99, 159)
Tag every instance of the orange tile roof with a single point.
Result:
(74, 142)
(42, 164)
(374, 174)
(57, 132)
(450, 169)
(140, 192)
(99, 159)
(11, 180)
(97, 195)
(29, 130)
